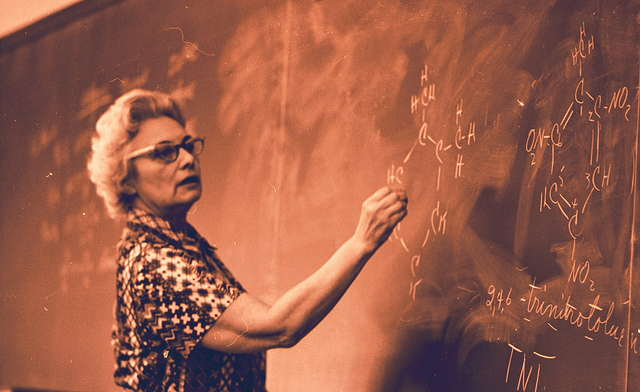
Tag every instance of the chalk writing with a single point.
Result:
(498, 300)
(524, 376)
(573, 151)
(592, 318)
(448, 157)
(415, 262)
(584, 48)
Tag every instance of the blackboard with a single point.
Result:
(513, 126)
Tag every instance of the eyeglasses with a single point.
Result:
(168, 152)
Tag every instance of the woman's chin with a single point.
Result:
(190, 193)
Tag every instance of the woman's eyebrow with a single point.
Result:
(184, 139)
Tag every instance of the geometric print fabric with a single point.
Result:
(171, 288)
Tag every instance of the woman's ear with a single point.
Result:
(127, 186)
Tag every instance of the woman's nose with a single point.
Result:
(185, 158)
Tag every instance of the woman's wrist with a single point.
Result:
(361, 247)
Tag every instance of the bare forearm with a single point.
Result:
(252, 325)
(305, 305)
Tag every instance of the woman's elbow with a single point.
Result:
(289, 338)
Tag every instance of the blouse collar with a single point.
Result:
(190, 240)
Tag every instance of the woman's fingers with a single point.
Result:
(381, 213)
(398, 213)
(395, 201)
(386, 195)
(392, 216)
(379, 194)
(392, 197)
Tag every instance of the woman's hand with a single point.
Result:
(381, 212)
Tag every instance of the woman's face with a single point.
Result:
(165, 189)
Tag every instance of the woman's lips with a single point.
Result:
(190, 180)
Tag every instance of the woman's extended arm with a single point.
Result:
(250, 325)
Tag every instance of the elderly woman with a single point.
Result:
(183, 323)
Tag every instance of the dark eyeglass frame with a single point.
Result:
(168, 152)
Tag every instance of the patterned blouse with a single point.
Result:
(171, 289)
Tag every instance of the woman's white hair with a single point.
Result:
(107, 166)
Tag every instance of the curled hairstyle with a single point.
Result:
(107, 166)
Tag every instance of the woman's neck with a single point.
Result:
(176, 216)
